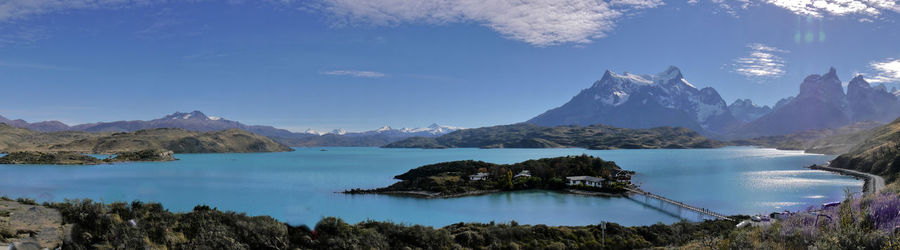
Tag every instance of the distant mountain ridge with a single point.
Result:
(46, 126)
(198, 121)
(746, 111)
(643, 101)
(13, 139)
(526, 135)
(822, 104)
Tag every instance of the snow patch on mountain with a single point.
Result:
(663, 99)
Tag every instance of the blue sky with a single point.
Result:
(358, 65)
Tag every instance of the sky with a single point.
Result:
(359, 65)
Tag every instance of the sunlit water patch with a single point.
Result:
(300, 187)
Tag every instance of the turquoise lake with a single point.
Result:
(300, 187)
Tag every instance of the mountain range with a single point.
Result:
(524, 135)
(636, 101)
(644, 101)
(821, 104)
(667, 99)
(746, 111)
(198, 121)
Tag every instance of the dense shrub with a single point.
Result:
(139, 225)
(449, 178)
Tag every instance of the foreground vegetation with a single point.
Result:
(72, 158)
(14, 139)
(868, 222)
(592, 137)
(453, 178)
(139, 225)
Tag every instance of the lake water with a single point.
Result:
(300, 187)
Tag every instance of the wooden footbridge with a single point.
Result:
(679, 204)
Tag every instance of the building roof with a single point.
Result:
(584, 178)
(524, 173)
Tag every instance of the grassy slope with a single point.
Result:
(822, 141)
(19, 139)
(177, 140)
(878, 153)
(532, 136)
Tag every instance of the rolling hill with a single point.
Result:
(533, 136)
(14, 139)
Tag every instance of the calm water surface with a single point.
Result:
(299, 187)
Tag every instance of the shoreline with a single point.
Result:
(871, 183)
(435, 195)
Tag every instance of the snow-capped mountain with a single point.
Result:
(198, 121)
(643, 101)
(432, 130)
(194, 121)
(314, 132)
(746, 111)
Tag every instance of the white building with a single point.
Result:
(524, 173)
(479, 176)
(584, 180)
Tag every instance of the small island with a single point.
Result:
(577, 174)
(74, 158)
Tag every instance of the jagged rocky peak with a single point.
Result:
(709, 95)
(642, 101)
(825, 87)
(671, 73)
(745, 110)
(871, 103)
(858, 81)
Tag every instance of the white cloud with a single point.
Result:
(20, 9)
(730, 7)
(819, 8)
(762, 63)
(887, 71)
(537, 22)
(21, 35)
(355, 73)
